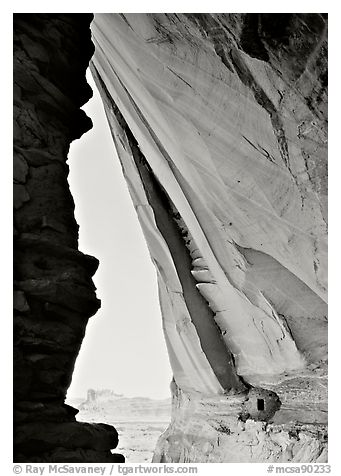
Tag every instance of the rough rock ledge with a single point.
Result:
(54, 295)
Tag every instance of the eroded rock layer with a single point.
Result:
(54, 295)
(220, 123)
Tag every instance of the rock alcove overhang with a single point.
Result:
(209, 265)
(220, 124)
(159, 107)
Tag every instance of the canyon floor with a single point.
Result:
(139, 421)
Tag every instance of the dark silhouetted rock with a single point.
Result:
(54, 294)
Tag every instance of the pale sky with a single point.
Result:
(124, 347)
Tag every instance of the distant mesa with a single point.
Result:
(94, 397)
(121, 408)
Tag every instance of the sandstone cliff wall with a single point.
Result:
(54, 295)
(220, 124)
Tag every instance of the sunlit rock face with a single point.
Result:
(219, 121)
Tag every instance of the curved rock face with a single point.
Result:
(54, 295)
(219, 121)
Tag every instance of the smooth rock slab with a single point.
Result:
(19, 301)
(20, 195)
(20, 169)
